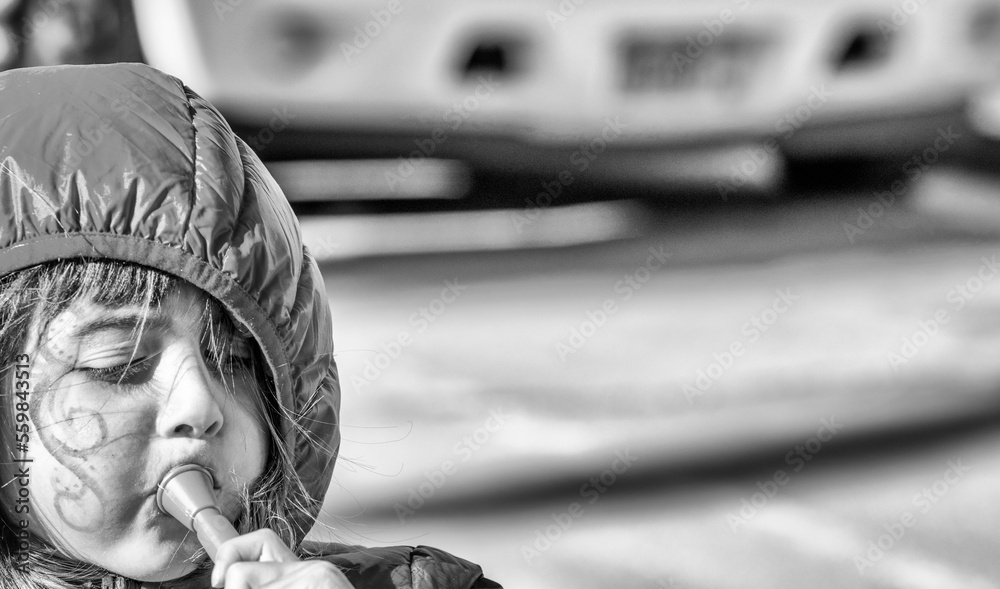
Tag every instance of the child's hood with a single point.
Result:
(125, 162)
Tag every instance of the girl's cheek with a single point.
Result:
(94, 441)
(245, 415)
(83, 430)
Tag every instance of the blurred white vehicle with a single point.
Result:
(722, 90)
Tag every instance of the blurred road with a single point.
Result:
(780, 394)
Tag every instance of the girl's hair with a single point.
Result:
(29, 300)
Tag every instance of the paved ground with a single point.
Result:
(596, 415)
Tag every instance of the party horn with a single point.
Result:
(185, 493)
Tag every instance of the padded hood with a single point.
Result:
(124, 162)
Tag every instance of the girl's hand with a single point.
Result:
(260, 560)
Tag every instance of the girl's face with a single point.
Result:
(113, 410)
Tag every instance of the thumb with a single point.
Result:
(260, 546)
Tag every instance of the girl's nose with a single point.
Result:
(191, 408)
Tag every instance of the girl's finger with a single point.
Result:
(298, 575)
(260, 546)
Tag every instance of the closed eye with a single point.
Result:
(227, 353)
(234, 361)
(234, 357)
(133, 373)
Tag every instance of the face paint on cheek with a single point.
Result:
(72, 434)
(61, 350)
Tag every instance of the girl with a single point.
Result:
(157, 308)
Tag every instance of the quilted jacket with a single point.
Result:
(125, 162)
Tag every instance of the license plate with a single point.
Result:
(724, 64)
